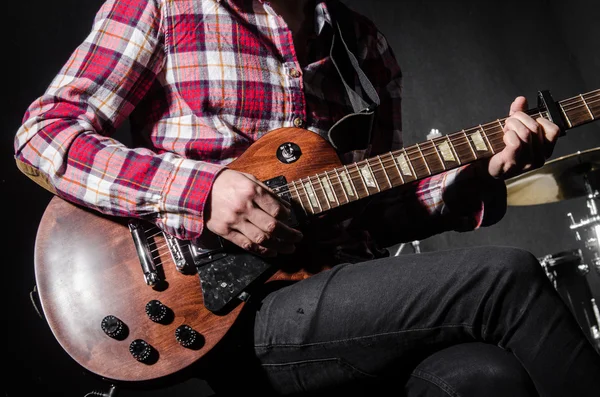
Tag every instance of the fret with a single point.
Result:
(587, 107)
(397, 168)
(462, 148)
(301, 202)
(565, 114)
(437, 150)
(470, 145)
(362, 179)
(333, 188)
(326, 191)
(311, 197)
(486, 136)
(478, 142)
(454, 150)
(357, 187)
(446, 152)
(406, 165)
(351, 193)
(432, 156)
(423, 157)
(387, 177)
(541, 115)
(318, 193)
(593, 102)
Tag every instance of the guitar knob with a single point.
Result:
(186, 336)
(156, 311)
(114, 327)
(141, 350)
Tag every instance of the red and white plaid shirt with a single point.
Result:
(201, 80)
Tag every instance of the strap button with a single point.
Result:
(298, 122)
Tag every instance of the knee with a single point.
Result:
(471, 369)
(514, 264)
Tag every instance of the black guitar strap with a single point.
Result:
(353, 131)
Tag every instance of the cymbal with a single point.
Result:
(560, 179)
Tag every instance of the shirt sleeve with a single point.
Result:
(462, 199)
(65, 142)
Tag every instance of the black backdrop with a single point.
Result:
(463, 61)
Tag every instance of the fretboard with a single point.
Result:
(331, 189)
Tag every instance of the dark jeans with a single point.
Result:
(417, 323)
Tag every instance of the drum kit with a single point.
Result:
(573, 176)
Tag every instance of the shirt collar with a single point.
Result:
(322, 14)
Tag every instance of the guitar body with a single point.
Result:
(87, 267)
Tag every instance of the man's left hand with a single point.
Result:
(529, 142)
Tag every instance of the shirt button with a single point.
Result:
(298, 122)
(294, 73)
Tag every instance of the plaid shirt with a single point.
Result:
(200, 80)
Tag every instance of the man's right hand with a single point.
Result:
(246, 212)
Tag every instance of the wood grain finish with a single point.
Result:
(86, 268)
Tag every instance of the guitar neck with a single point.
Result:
(331, 189)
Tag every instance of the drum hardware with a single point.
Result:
(416, 246)
(591, 228)
(567, 272)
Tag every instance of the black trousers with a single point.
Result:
(465, 322)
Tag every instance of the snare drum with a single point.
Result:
(568, 273)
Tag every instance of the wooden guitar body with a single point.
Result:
(87, 268)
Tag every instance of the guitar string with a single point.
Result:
(327, 174)
(491, 135)
(429, 152)
(565, 106)
(422, 153)
(155, 233)
(331, 180)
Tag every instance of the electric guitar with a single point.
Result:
(131, 304)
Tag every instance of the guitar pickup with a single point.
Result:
(207, 249)
(140, 242)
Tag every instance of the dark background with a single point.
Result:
(463, 62)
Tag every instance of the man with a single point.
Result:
(201, 82)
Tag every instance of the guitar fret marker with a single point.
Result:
(404, 166)
(478, 141)
(310, 192)
(328, 189)
(347, 183)
(342, 185)
(368, 176)
(446, 152)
